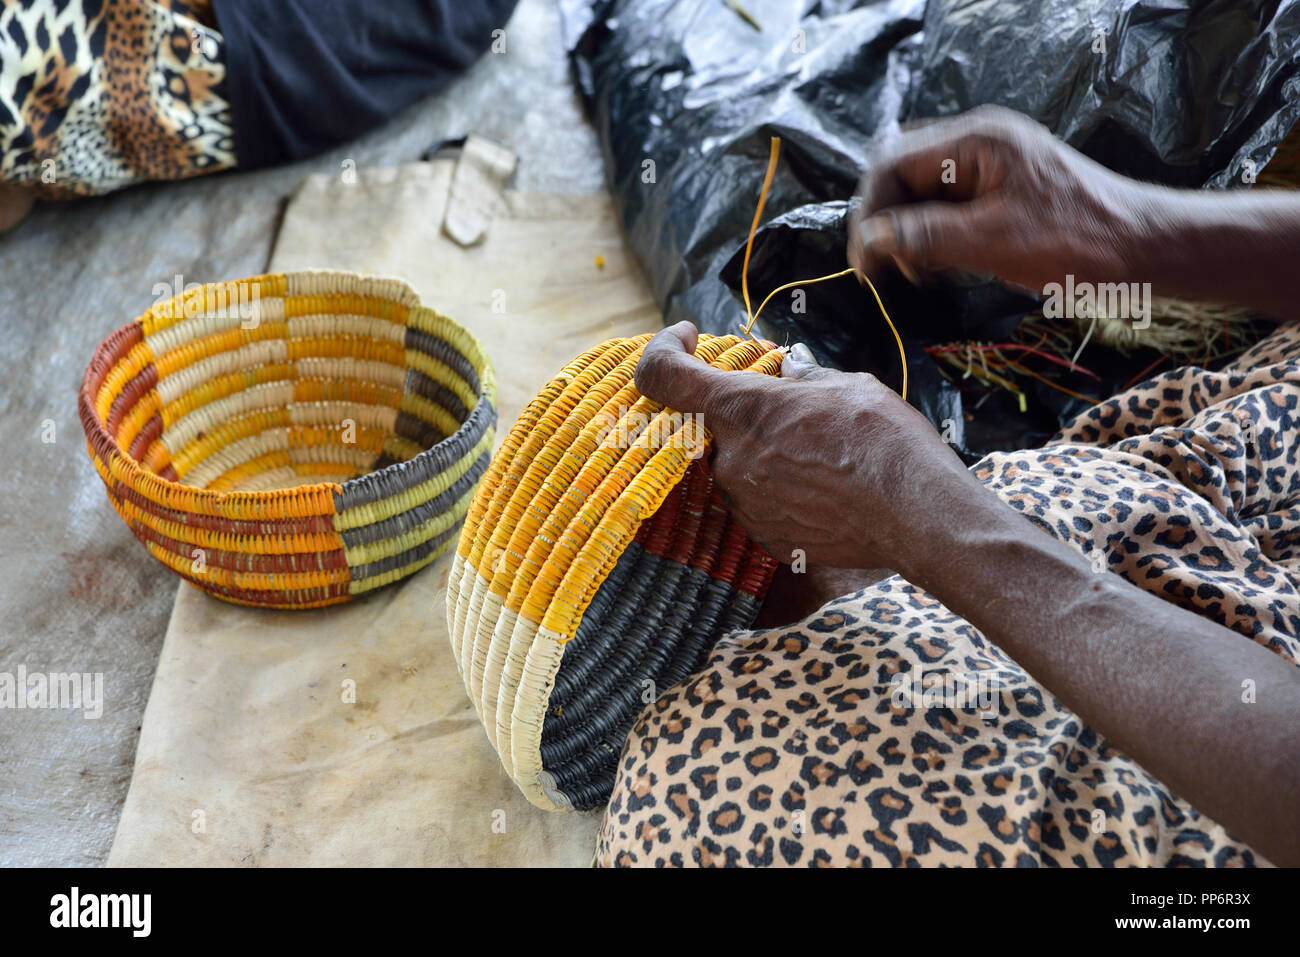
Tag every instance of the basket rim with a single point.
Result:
(92, 423)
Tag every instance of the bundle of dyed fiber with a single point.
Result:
(596, 569)
(202, 413)
(1183, 330)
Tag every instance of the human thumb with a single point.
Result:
(800, 363)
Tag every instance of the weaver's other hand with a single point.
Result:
(993, 191)
(828, 462)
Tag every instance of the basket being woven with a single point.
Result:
(596, 568)
(291, 441)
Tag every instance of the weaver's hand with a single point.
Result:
(993, 191)
(828, 462)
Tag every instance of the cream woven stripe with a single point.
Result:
(458, 616)
(325, 414)
(277, 440)
(235, 454)
(475, 605)
(362, 370)
(482, 611)
(453, 586)
(187, 379)
(265, 395)
(513, 700)
(317, 282)
(336, 413)
(207, 323)
(535, 684)
(272, 395)
(339, 454)
(489, 663)
(457, 586)
(272, 307)
(517, 644)
(482, 608)
(263, 351)
(343, 324)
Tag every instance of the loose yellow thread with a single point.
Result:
(902, 355)
(752, 314)
(744, 14)
(773, 155)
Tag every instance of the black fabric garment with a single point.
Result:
(305, 75)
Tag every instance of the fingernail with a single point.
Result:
(877, 235)
(801, 353)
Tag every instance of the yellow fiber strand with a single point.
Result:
(1049, 383)
(902, 355)
(791, 285)
(753, 314)
(772, 157)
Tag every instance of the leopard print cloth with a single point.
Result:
(96, 95)
(813, 745)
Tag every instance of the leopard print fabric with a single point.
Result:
(817, 744)
(96, 95)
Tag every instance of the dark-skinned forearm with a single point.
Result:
(1162, 683)
(1233, 246)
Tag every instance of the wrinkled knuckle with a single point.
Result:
(990, 141)
(913, 237)
(868, 384)
(1010, 136)
(994, 112)
(998, 122)
(810, 373)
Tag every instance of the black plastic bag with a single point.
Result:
(686, 95)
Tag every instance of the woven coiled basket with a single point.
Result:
(291, 441)
(596, 569)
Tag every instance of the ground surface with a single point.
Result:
(77, 592)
